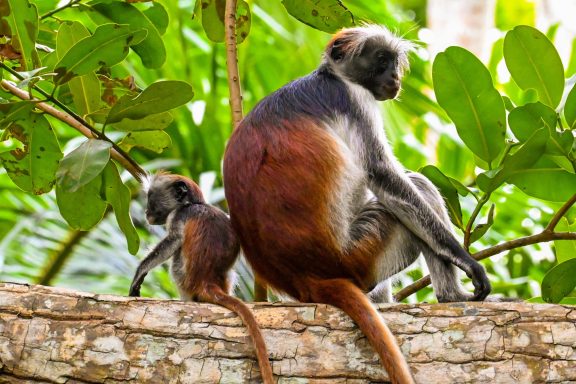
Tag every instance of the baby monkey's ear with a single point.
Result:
(180, 191)
(336, 50)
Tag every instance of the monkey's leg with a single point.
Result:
(444, 275)
(348, 297)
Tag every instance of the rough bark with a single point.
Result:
(50, 335)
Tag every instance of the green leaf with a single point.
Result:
(534, 63)
(325, 15)
(243, 21)
(545, 180)
(565, 249)
(156, 141)
(83, 164)
(481, 229)
(529, 118)
(32, 167)
(88, 197)
(85, 89)
(19, 19)
(11, 112)
(151, 50)
(106, 47)
(570, 108)
(158, 16)
(564, 301)
(10, 145)
(523, 158)
(154, 122)
(118, 195)
(448, 191)
(559, 281)
(158, 97)
(464, 89)
(213, 19)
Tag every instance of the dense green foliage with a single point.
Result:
(149, 79)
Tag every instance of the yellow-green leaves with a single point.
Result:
(464, 89)
(570, 109)
(83, 164)
(534, 63)
(213, 19)
(325, 15)
(106, 47)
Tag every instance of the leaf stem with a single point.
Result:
(483, 200)
(51, 13)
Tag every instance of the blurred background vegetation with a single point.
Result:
(37, 246)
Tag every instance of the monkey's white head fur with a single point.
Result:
(354, 39)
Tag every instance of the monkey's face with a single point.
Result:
(159, 206)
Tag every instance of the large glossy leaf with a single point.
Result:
(151, 50)
(87, 197)
(464, 89)
(85, 89)
(83, 164)
(565, 249)
(158, 97)
(156, 141)
(19, 19)
(570, 108)
(153, 122)
(325, 15)
(534, 63)
(529, 118)
(118, 195)
(528, 154)
(106, 47)
(32, 167)
(559, 281)
(545, 180)
(448, 191)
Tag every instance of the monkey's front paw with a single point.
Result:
(481, 283)
(134, 291)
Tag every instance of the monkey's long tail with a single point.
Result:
(236, 305)
(348, 297)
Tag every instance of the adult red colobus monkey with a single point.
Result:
(323, 210)
(203, 248)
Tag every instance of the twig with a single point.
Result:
(475, 213)
(71, 3)
(232, 62)
(561, 212)
(117, 153)
(541, 237)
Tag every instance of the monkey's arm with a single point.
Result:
(161, 252)
(400, 196)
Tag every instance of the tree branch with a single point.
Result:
(232, 62)
(542, 237)
(561, 212)
(53, 12)
(81, 126)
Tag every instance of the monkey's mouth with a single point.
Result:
(387, 93)
(150, 219)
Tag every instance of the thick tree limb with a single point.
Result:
(52, 335)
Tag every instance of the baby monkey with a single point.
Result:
(203, 247)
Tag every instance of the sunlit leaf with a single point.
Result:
(527, 119)
(534, 63)
(213, 19)
(464, 89)
(158, 97)
(32, 167)
(158, 16)
(151, 50)
(565, 249)
(19, 19)
(481, 229)
(156, 141)
(153, 122)
(83, 164)
(559, 281)
(87, 197)
(325, 15)
(85, 89)
(570, 108)
(118, 195)
(243, 21)
(106, 47)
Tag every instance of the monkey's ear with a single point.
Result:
(337, 50)
(180, 191)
